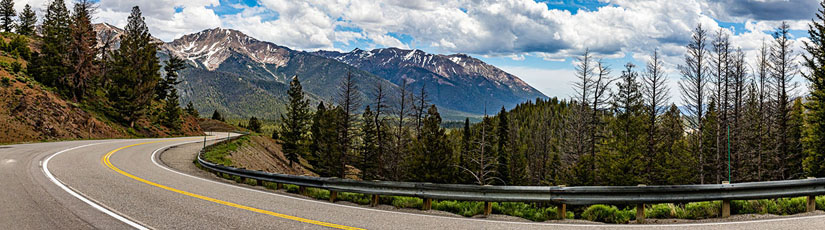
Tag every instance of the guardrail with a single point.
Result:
(583, 195)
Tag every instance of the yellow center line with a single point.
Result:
(105, 160)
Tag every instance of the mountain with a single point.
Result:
(242, 76)
(455, 81)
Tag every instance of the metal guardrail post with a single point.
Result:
(811, 205)
(488, 208)
(562, 210)
(332, 196)
(279, 186)
(640, 210)
(428, 204)
(725, 205)
(374, 201)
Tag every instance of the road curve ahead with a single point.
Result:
(119, 184)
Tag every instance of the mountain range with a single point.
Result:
(242, 76)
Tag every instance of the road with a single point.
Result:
(121, 184)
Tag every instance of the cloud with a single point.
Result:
(772, 10)
(551, 82)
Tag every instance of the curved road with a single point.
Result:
(119, 184)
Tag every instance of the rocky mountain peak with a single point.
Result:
(212, 47)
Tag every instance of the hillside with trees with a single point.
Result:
(57, 84)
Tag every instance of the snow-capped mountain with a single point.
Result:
(457, 81)
(212, 47)
(228, 67)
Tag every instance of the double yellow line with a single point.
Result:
(105, 161)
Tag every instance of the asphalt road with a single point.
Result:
(120, 184)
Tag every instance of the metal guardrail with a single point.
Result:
(580, 195)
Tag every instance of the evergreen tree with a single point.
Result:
(503, 132)
(217, 116)
(190, 109)
(793, 162)
(51, 66)
(134, 71)
(674, 161)
(28, 19)
(7, 15)
(436, 158)
(349, 101)
(325, 147)
(708, 167)
(254, 124)
(625, 160)
(294, 122)
(82, 51)
(814, 133)
(165, 86)
(370, 159)
(171, 111)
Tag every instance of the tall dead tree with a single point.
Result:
(693, 86)
(656, 96)
(349, 100)
(783, 69)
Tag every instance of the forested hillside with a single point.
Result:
(620, 128)
(57, 84)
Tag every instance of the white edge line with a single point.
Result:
(82, 198)
(464, 218)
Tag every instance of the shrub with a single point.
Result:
(16, 67)
(18, 91)
(608, 214)
(464, 208)
(702, 210)
(789, 206)
(406, 202)
(662, 211)
(526, 211)
(6, 81)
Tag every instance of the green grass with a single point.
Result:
(218, 153)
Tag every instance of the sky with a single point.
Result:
(536, 40)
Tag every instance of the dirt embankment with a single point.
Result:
(262, 153)
(31, 113)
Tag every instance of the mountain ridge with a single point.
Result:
(457, 83)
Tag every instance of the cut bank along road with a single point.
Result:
(120, 186)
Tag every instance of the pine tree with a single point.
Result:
(7, 15)
(326, 146)
(294, 122)
(171, 111)
(165, 86)
(134, 71)
(190, 109)
(370, 160)
(51, 66)
(814, 133)
(711, 120)
(254, 124)
(502, 144)
(625, 160)
(28, 19)
(436, 163)
(217, 116)
(793, 162)
(82, 51)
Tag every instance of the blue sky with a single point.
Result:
(537, 40)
